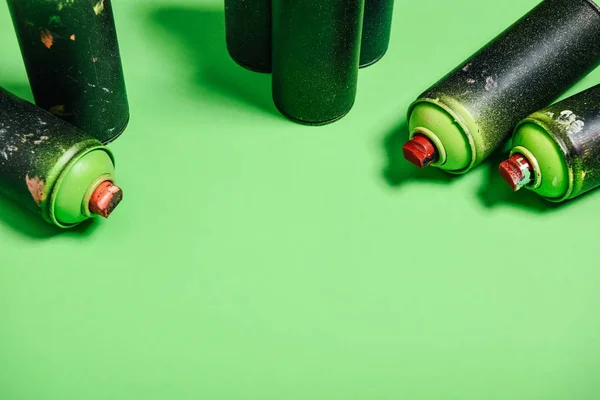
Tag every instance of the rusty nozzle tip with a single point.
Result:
(105, 199)
(516, 171)
(420, 151)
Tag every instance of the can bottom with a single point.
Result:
(314, 123)
(119, 133)
(250, 67)
(369, 63)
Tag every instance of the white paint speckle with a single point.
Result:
(570, 121)
(491, 83)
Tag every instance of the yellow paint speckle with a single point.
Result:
(58, 110)
(99, 7)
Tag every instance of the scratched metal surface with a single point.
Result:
(72, 57)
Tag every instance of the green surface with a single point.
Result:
(253, 258)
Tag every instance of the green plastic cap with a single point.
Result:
(445, 132)
(543, 153)
(77, 184)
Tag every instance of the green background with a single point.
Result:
(253, 258)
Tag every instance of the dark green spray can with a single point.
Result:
(377, 28)
(51, 167)
(248, 33)
(462, 119)
(316, 51)
(73, 62)
(556, 151)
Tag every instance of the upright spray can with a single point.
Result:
(316, 52)
(73, 62)
(248, 33)
(462, 119)
(377, 28)
(556, 151)
(51, 167)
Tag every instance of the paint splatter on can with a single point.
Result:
(472, 111)
(73, 62)
(53, 168)
(316, 51)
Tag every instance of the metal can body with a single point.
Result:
(377, 28)
(522, 70)
(248, 33)
(73, 62)
(35, 149)
(316, 52)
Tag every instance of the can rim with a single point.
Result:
(70, 157)
(594, 5)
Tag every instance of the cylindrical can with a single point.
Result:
(248, 33)
(316, 52)
(462, 119)
(377, 28)
(51, 167)
(73, 62)
(556, 151)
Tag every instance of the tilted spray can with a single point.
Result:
(470, 113)
(53, 168)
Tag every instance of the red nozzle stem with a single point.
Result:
(517, 171)
(105, 199)
(420, 151)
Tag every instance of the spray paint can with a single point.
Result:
(248, 33)
(556, 151)
(316, 52)
(73, 62)
(51, 167)
(462, 119)
(377, 28)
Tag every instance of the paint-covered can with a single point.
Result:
(556, 151)
(470, 113)
(316, 52)
(73, 62)
(377, 28)
(248, 33)
(53, 168)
